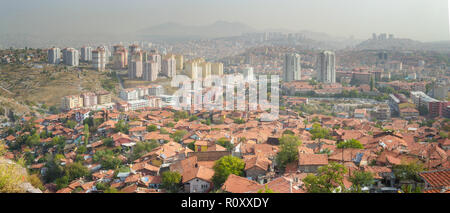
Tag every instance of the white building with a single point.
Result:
(150, 71)
(86, 54)
(248, 73)
(326, 69)
(138, 104)
(99, 59)
(70, 57)
(169, 67)
(129, 94)
(292, 67)
(135, 69)
(54, 55)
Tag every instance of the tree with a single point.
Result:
(62, 182)
(329, 179)
(288, 132)
(352, 143)
(178, 135)
(76, 170)
(408, 171)
(372, 83)
(266, 190)
(108, 142)
(239, 121)
(121, 126)
(225, 143)
(318, 132)
(225, 166)
(86, 133)
(171, 181)
(361, 179)
(70, 124)
(288, 150)
(423, 110)
(143, 147)
(54, 170)
(152, 128)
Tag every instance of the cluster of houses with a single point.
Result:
(256, 142)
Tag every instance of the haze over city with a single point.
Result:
(415, 19)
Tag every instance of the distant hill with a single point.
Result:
(214, 30)
(402, 44)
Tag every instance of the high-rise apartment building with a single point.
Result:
(217, 69)
(150, 71)
(86, 54)
(70, 57)
(54, 55)
(179, 61)
(326, 69)
(120, 57)
(168, 67)
(292, 67)
(99, 59)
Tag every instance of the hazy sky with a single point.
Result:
(425, 20)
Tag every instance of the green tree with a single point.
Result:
(266, 190)
(318, 132)
(108, 142)
(70, 124)
(327, 180)
(361, 179)
(152, 128)
(62, 182)
(178, 135)
(225, 166)
(408, 171)
(352, 143)
(288, 150)
(121, 126)
(143, 147)
(76, 170)
(171, 181)
(225, 143)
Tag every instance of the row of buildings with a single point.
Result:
(71, 57)
(326, 67)
(86, 100)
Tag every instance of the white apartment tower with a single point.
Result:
(99, 59)
(54, 55)
(86, 54)
(326, 69)
(292, 67)
(150, 71)
(169, 67)
(71, 57)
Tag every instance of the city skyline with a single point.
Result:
(418, 20)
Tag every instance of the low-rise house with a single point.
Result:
(309, 163)
(237, 184)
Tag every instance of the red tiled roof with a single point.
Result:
(437, 178)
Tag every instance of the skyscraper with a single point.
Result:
(86, 54)
(54, 55)
(292, 67)
(217, 68)
(99, 59)
(168, 67)
(70, 57)
(326, 70)
(150, 71)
